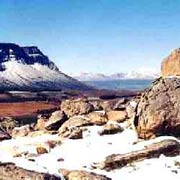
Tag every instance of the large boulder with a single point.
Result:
(117, 116)
(110, 128)
(158, 110)
(72, 133)
(72, 126)
(171, 64)
(97, 118)
(121, 104)
(76, 107)
(21, 131)
(41, 123)
(56, 120)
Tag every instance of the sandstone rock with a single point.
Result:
(158, 110)
(131, 108)
(73, 124)
(97, 105)
(73, 133)
(120, 105)
(171, 64)
(118, 116)
(41, 150)
(108, 105)
(76, 107)
(97, 118)
(110, 128)
(9, 171)
(8, 124)
(41, 122)
(82, 175)
(167, 147)
(76, 121)
(52, 144)
(56, 120)
(21, 131)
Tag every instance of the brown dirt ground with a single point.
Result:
(18, 109)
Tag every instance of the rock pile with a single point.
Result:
(75, 114)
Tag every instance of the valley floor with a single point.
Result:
(52, 151)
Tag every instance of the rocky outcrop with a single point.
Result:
(158, 110)
(11, 171)
(81, 175)
(171, 64)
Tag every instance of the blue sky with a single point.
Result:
(98, 36)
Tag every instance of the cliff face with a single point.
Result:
(27, 68)
(171, 65)
(26, 55)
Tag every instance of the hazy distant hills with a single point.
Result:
(27, 68)
(117, 76)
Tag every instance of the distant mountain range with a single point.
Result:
(27, 68)
(117, 76)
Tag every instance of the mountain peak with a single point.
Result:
(26, 55)
(27, 68)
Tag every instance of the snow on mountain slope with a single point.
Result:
(28, 69)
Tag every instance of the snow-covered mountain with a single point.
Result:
(117, 76)
(27, 68)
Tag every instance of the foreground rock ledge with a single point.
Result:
(9, 171)
(81, 175)
(166, 147)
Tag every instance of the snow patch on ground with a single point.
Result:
(83, 153)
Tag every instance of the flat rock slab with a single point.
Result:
(166, 147)
(9, 171)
